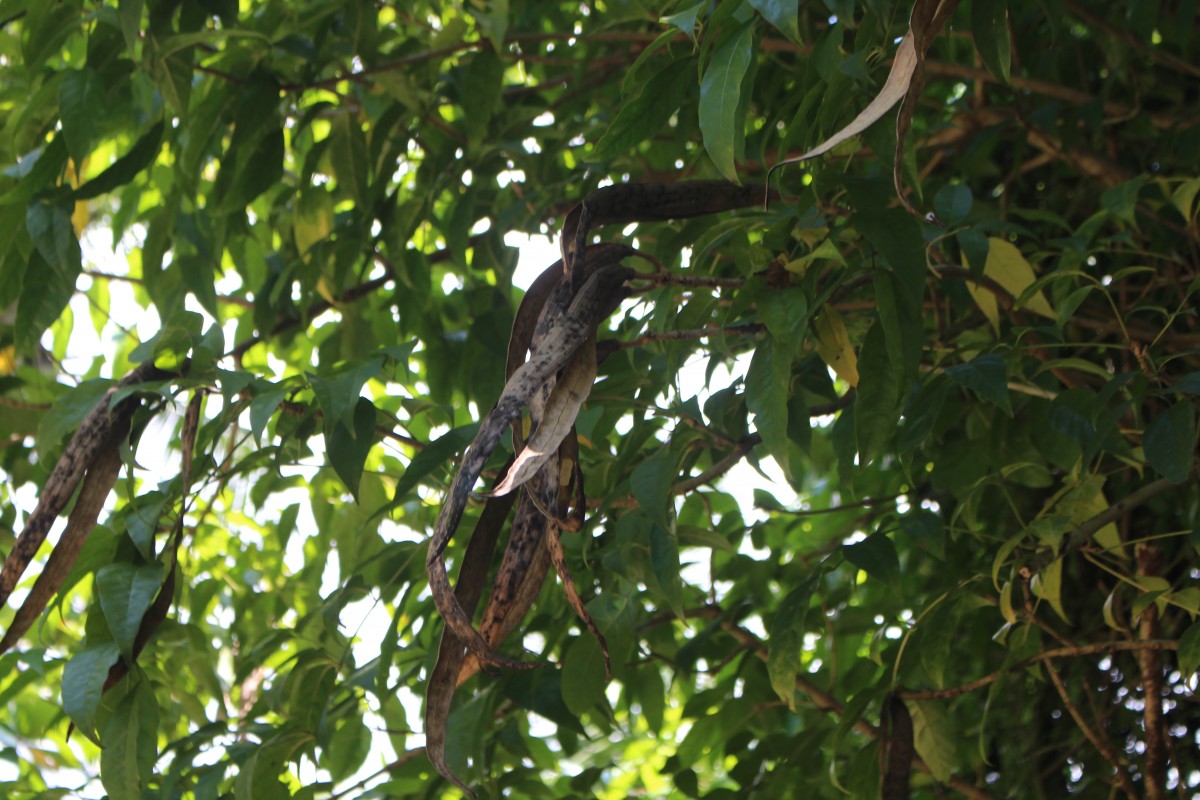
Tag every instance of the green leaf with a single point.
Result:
(51, 230)
(492, 20)
(258, 777)
(651, 484)
(172, 74)
(898, 293)
(767, 383)
(481, 93)
(785, 642)
(540, 691)
(130, 744)
(652, 698)
(348, 154)
(1121, 200)
(583, 675)
(720, 95)
(83, 684)
(685, 20)
(876, 408)
(348, 448)
(1189, 651)
(49, 277)
(645, 115)
(126, 592)
(989, 26)
(435, 455)
(876, 555)
(68, 411)
(1170, 441)
(785, 313)
(925, 528)
(338, 394)
(935, 738)
(129, 13)
(953, 203)
(349, 745)
(82, 105)
(986, 376)
(1188, 384)
(141, 523)
(782, 14)
(262, 408)
(974, 245)
(664, 563)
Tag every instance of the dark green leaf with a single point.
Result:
(720, 95)
(83, 683)
(685, 20)
(876, 408)
(767, 384)
(974, 245)
(130, 742)
(1188, 384)
(989, 26)
(1189, 651)
(651, 484)
(126, 592)
(540, 691)
(348, 153)
(583, 676)
(781, 14)
(1170, 442)
(338, 395)
(644, 115)
(82, 104)
(51, 230)
(664, 563)
(127, 167)
(953, 203)
(876, 555)
(348, 447)
(435, 455)
(786, 640)
(987, 377)
(925, 528)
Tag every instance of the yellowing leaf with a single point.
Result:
(1007, 267)
(1047, 585)
(833, 345)
(324, 291)
(1006, 604)
(80, 217)
(313, 218)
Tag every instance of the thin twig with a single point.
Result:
(1102, 746)
(1058, 652)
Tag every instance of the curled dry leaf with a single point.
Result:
(902, 83)
(98, 482)
(566, 400)
(90, 438)
(568, 325)
(555, 324)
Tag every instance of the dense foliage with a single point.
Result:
(281, 229)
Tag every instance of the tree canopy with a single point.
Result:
(882, 461)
